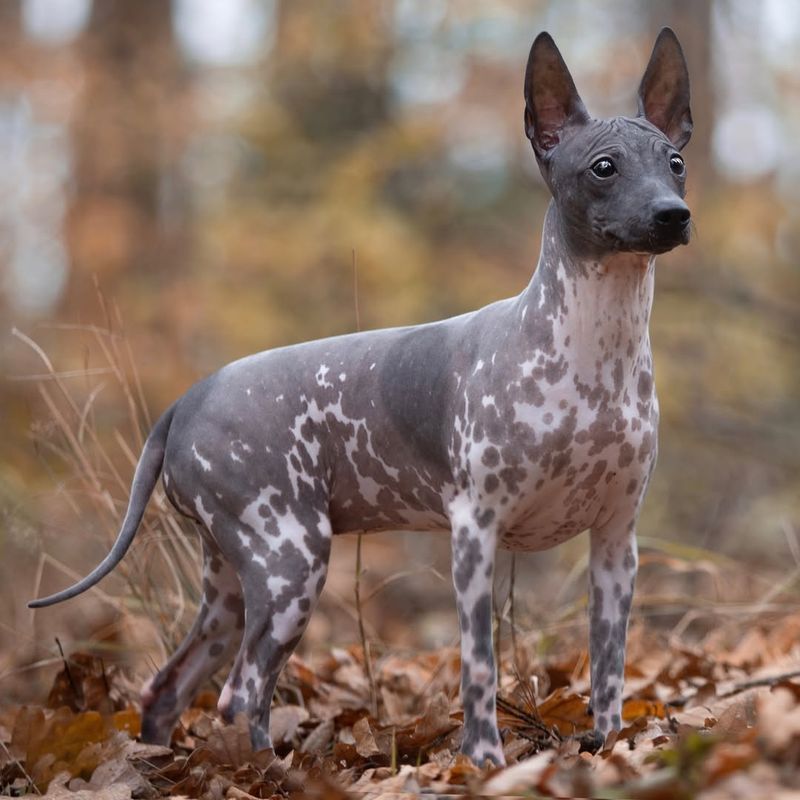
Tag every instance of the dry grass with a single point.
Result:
(162, 572)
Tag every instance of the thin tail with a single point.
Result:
(144, 481)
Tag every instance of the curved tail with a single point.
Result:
(144, 481)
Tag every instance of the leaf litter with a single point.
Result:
(719, 719)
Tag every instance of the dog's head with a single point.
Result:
(618, 183)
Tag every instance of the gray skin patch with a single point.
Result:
(466, 557)
(415, 386)
(481, 628)
(211, 641)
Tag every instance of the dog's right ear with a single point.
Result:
(552, 103)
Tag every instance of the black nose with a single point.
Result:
(672, 214)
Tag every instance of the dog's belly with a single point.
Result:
(395, 505)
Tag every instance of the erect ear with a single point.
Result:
(552, 103)
(664, 90)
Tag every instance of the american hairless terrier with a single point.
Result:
(521, 425)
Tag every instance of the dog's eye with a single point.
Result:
(677, 165)
(603, 168)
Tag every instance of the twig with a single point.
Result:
(68, 671)
(523, 716)
(754, 683)
(355, 292)
(738, 688)
(21, 768)
(498, 620)
(408, 573)
(511, 615)
(373, 691)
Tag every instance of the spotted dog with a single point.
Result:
(519, 425)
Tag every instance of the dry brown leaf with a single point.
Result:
(736, 718)
(460, 771)
(299, 674)
(750, 651)
(114, 772)
(517, 747)
(565, 711)
(396, 706)
(284, 722)
(778, 716)
(435, 721)
(319, 740)
(83, 684)
(634, 708)
(406, 675)
(365, 743)
(58, 742)
(229, 745)
(58, 791)
(128, 720)
(728, 757)
(520, 778)
(352, 676)
(235, 793)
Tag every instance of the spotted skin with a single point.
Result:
(612, 568)
(519, 425)
(211, 641)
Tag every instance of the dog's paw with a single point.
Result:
(591, 742)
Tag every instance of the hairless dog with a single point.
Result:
(519, 425)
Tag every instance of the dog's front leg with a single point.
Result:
(474, 542)
(612, 569)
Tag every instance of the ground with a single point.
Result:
(719, 718)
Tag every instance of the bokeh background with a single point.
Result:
(218, 177)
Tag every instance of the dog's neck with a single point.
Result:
(594, 309)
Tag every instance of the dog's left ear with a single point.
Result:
(664, 90)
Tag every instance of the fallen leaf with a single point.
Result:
(634, 708)
(435, 721)
(58, 791)
(727, 758)
(284, 722)
(230, 745)
(737, 717)
(364, 740)
(778, 715)
(319, 740)
(565, 711)
(520, 778)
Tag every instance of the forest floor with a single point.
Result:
(719, 718)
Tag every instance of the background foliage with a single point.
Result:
(215, 169)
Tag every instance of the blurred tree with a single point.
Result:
(220, 204)
(126, 220)
(691, 19)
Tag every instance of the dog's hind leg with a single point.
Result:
(211, 641)
(282, 577)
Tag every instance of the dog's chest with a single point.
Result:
(558, 444)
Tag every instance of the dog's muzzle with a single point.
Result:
(670, 225)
